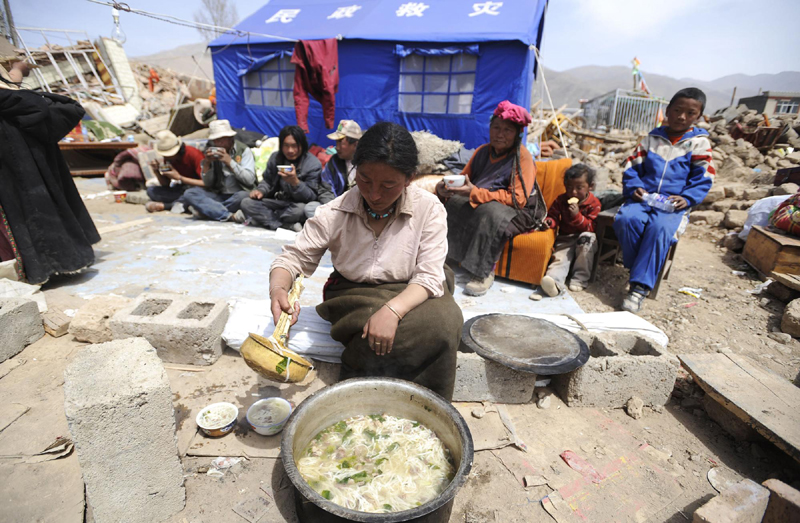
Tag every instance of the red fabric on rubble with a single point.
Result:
(316, 74)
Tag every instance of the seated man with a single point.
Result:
(291, 181)
(228, 172)
(181, 170)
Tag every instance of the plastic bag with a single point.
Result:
(759, 213)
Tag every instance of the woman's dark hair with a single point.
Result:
(580, 170)
(692, 93)
(299, 136)
(389, 143)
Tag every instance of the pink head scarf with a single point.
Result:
(513, 113)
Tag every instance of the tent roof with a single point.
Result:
(393, 20)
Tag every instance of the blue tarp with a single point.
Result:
(374, 40)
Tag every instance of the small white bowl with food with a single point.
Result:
(268, 416)
(454, 180)
(217, 419)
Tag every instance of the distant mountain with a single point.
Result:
(182, 60)
(568, 87)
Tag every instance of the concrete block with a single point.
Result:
(784, 503)
(119, 408)
(742, 502)
(479, 379)
(20, 325)
(182, 329)
(90, 323)
(620, 367)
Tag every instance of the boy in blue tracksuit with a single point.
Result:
(673, 160)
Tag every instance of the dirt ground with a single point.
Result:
(656, 467)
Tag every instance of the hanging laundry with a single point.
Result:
(316, 74)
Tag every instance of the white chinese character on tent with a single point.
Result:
(345, 12)
(486, 8)
(412, 9)
(284, 15)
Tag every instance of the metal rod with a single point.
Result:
(10, 21)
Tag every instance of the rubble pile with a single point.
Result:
(162, 89)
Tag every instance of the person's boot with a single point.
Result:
(239, 217)
(479, 286)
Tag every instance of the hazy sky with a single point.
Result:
(702, 39)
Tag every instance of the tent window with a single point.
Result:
(437, 84)
(271, 85)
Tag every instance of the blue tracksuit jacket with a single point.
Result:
(658, 166)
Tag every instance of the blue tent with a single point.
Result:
(440, 65)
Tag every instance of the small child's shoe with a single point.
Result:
(576, 287)
(549, 286)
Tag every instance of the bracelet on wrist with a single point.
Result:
(393, 310)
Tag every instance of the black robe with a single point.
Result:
(49, 222)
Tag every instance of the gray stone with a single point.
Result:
(732, 242)
(715, 193)
(20, 325)
(790, 323)
(742, 205)
(479, 379)
(782, 292)
(712, 218)
(119, 408)
(784, 503)
(786, 188)
(756, 193)
(781, 337)
(742, 502)
(722, 205)
(620, 366)
(90, 323)
(634, 407)
(544, 402)
(734, 219)
(182, 329)
(734, 191)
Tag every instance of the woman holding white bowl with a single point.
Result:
(498, 199)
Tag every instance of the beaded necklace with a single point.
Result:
(376, 216)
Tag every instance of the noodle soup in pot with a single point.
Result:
(377, 463)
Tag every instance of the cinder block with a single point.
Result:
(119, 408)
(784, 503)
(182, 329)
(742, 502)
(620, 366)
(479, 379)
(90, 323)
(20, 325)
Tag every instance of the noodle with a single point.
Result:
(377, 463)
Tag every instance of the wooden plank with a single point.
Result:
(790, 280)
(766, 402)
(56, 323)
(124, 225)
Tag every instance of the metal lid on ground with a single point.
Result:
(525, 344)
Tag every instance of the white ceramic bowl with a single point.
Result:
(224, 426)
(454, 180)
(275, 410)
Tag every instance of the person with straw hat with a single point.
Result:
(180, 170)
(228, 172)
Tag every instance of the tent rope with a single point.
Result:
(550, 99)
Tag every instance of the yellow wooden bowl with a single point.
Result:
(272, 361)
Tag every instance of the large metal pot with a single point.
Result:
(375, 396)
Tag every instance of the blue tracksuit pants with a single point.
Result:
(645, 234)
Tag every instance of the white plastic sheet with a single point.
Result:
(759, 213)
(310, 336)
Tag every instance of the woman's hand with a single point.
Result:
(679, 202)
(380, 330)
(464, 190)
(280, 303)
(639, 194)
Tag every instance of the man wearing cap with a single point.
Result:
(181, 169)
(227, 169)
(339, 172)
